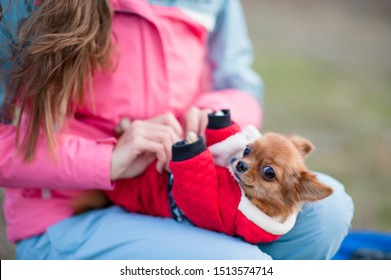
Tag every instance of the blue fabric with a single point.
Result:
(365, 244)
(115, 234)
(230, 53)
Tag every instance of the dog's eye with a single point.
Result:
(268, 172)
(247, 151)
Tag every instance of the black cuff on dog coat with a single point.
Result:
(218, 122)
(182, 151)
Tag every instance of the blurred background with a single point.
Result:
(326, 66)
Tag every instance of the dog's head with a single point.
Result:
(274, 176)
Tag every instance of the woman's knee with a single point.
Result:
(115, 234)
(184, 241)
(320, 227)
(338, 209)
(331, 218)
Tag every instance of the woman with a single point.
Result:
(163, 66)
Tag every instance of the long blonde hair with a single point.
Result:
(59, 47)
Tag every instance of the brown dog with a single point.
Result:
(273, 175)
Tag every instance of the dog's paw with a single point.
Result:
(219, 113)
(191, 137)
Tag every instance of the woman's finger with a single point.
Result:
(197, 120)
(169, 120)
(163, 138)
(144, 146)
(203, 121)
(192, 120)
(147, 128)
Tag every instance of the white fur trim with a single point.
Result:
(267, 223)
(223, 151)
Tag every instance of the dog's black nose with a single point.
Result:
(241, 166)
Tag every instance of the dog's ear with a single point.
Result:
(311, 189)
(302, 145)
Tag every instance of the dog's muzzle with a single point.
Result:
(241, 166)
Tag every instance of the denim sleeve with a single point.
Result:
(231, 54)
(11, 13)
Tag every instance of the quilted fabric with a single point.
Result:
(146, 194)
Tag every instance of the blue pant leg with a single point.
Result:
(115, 234)
(320, 227)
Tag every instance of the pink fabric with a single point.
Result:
(160, 69)
(80, 164)
(237, 102)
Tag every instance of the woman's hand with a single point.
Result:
(141, 143)
(196, 120)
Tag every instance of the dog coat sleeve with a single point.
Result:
(195, 187)
(146, 194)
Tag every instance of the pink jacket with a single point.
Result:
(162, 67)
